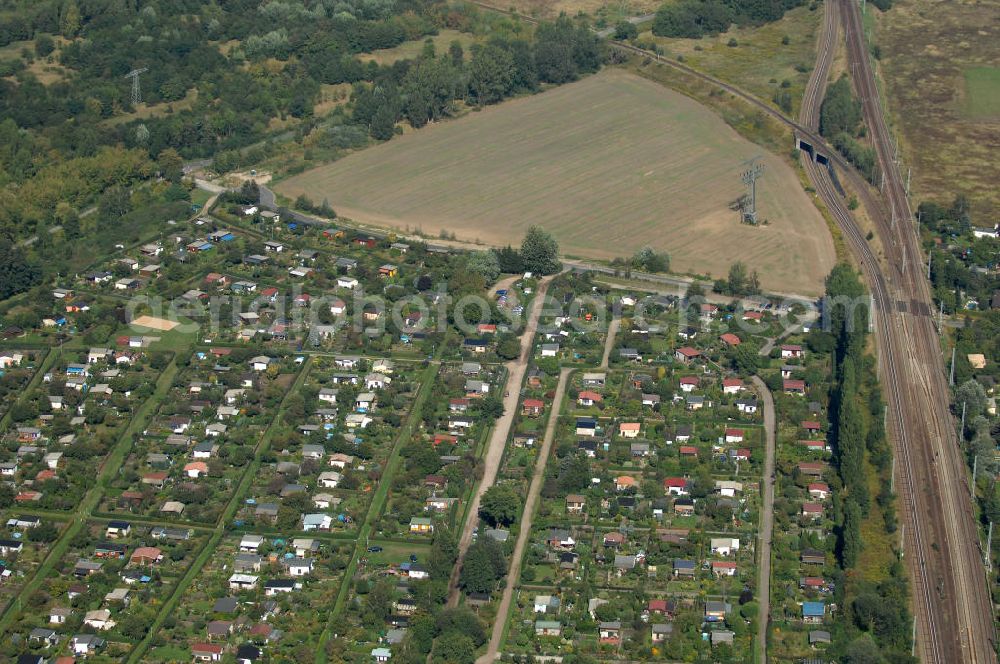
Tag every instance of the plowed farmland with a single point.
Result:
(608, 164)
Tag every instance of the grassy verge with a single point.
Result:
(752, 124)
(761, 60)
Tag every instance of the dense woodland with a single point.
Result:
(76, 158)
(840, 121)
(699, 18)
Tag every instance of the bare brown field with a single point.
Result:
(608, 164)
(927, 50)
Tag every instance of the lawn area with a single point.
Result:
(144, 111)
(199, 197)
(179, 338)
(939, 64)
(551, 9)
(760, 61)
(982, 93)
(613, 149)
(411, 49)
(393, 553)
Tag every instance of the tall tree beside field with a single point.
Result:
(564, 50)
(484, 263)
(491, 74)
(525, 68)
(737, 278)
(510, 260)
(17, 273)
(540, 252)
(429, 89)
(171, 165)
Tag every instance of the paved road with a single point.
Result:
(516, 369)
(527, 516)
(766, 522)
(680, 284)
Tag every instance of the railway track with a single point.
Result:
(883, 306)
(963, 631)
(951, 600)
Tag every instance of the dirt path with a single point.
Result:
(531, 503)
(766, 522)
(505, 283)
(524, 533)
(498, 439)
(609, 342)
(810, 317)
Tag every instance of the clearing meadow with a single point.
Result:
(609, 164)
(939, 63)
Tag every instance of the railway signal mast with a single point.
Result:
(753, 170)
(136, 92)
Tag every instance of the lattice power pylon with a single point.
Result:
(136, 92)
(752, 171)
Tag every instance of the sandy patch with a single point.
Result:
(154, 323)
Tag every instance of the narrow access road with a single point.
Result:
(766, 522)
(609, 342)
(530, 505)
(208, 186)
(516, 370)
(810, 317)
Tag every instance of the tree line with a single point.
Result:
(693, 19)
(427, 88)
(877, 620)
(840, 121)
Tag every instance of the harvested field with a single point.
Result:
(608, 164)
(939, 62)
(155, 323)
